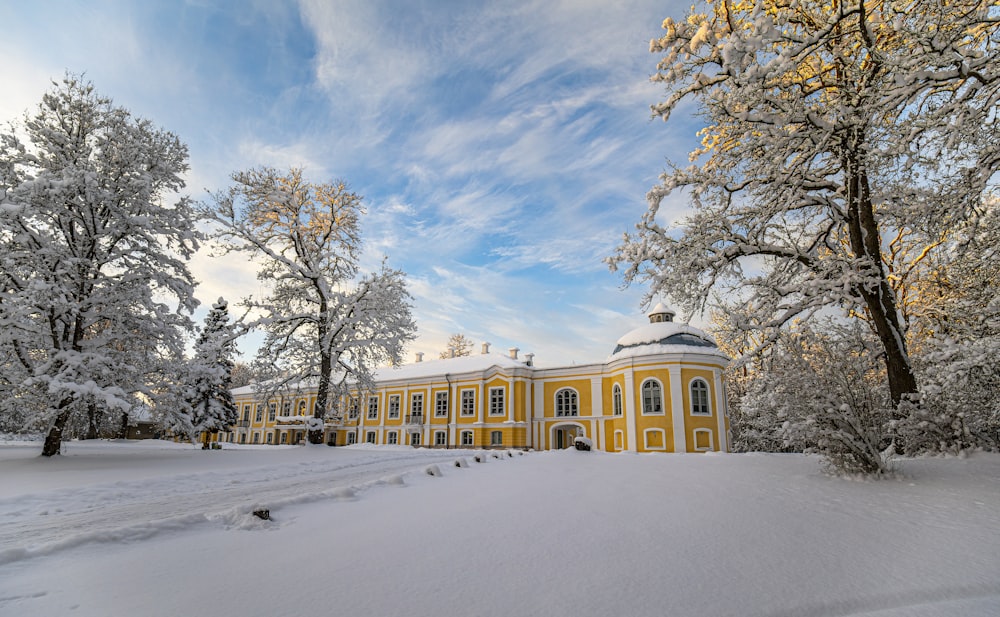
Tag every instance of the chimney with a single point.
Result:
(420, 356)
(486, 348)
(513, 353)
(451, 352)
(529, 359)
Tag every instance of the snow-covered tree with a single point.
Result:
(93, 246)
(325, 322)
(208, 378)
(823, 391)
(831, 130)
(458, 345)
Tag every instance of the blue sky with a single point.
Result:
(502, 148)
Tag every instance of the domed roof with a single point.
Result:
(662, 335)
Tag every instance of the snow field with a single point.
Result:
(555, 533)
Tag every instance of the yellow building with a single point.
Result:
(660, 390)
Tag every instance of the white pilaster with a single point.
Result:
(630, 412)
(677, 410)
(720, 411)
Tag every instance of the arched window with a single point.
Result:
(652, 397)
(566, 403)
(699, 398)
(616, 400)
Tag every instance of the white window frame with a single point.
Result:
(663, 439)
(498, 401)
(414, 439)
(567, 408)
(619, 440)
(393, 406)
(272, 411)
(373, 408)
(441, 404)
(711, 440)
(370, 437)
(642, 394)
(353, 407)
(616, 400)
(496, 438)
(440, 438)
(392, 438)
(468, 398)
(468, 439)
(417, 404)
(695, 405)
(352, 438)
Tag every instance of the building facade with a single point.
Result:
(660, 390)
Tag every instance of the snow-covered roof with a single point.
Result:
(448, 366)
(664, 337)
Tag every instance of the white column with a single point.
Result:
(538, 416)
(720, 411)
(677, 410)
(452, 413)
(597, 411)
(630, 412)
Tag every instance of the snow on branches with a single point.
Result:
(90, 249)
(326, 323)
(831, 130)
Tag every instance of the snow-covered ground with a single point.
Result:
(152, 528)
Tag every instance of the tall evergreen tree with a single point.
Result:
(209, 375)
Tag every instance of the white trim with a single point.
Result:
(663, 439)
(504, 412)
(677, 410)
(708, 397)
(555, 402)
(642, 398)
(619, 441)
(632, 434)
(711, 440)
(722, 404)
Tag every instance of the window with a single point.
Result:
(392, 438)
(284, 438)
(441, 405)
(619, 440)
(703, 439)
(496, 438)
(699, 398)
(243, 438)
(394, 406)
(370, 437)
(652, 397)
(466, 438)
(373, 408)
(616, 400)
(417, 404)
(352, 408)
(259, 415)
(440, 438)
(302, 407)
(256, 437)
(271, 408)
(414, 439)
(351, 438)
(270, 438)
(468, 402)
(655, 438)
(566, 403)
(286, 409)
(497, 407)
(246, 413)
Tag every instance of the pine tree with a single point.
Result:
(209, 375)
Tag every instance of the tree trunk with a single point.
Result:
(123, 428)
(315, 436)
(91, 419)
(53, 440)
(880, 301)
